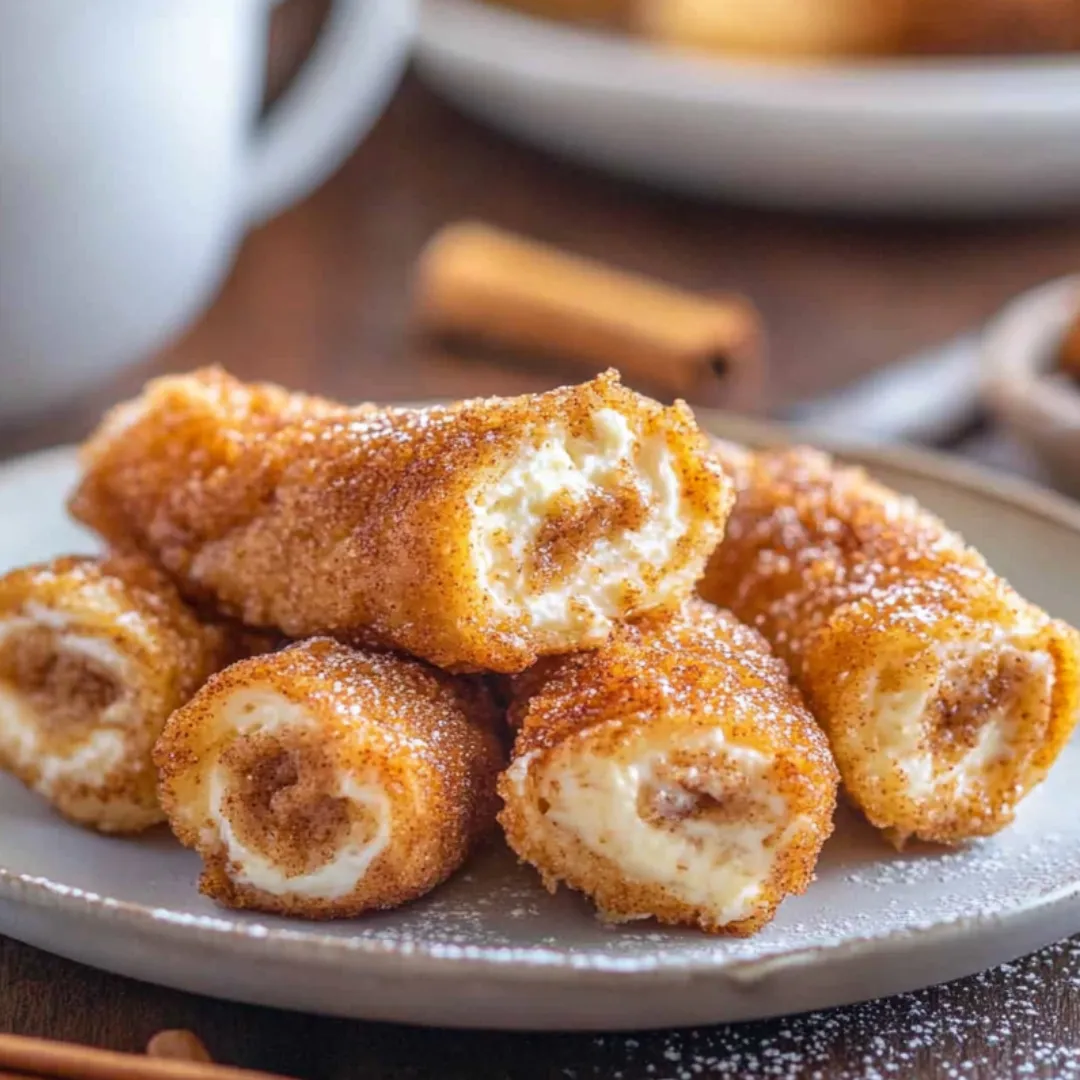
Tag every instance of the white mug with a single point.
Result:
(132, 161)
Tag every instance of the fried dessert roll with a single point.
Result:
(323, 781)
(94, 655)
(945, 695)
(673, 773)
(477, 536)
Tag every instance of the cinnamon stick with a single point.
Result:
(69, 1061)
(480, 284)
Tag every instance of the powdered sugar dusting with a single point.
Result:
(497, 912)
(1019, 1020)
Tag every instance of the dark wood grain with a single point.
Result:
(319, 299)
(1025, 1014)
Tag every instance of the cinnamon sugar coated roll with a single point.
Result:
(94, 655)
(945, 695)
(324, 782)
(672, 773)
(478, 536)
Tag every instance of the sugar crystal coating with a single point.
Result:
(381, 525)
(731, 784)
(94, 656)
(945, 695)
(324, 781)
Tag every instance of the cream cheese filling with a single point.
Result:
(717, 865)
(265, 711)
(901, 726)
(23, 735)
(510, 513)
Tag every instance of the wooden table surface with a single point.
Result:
(319, 300)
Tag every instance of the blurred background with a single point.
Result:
(863, 188)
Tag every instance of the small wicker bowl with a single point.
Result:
(1022, 386)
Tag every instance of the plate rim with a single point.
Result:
(514, 964)
(525, 964)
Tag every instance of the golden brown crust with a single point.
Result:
(981, 27)
(294, 514)
(851, 582)
(664, 683)
(122, 604)
(427, 740)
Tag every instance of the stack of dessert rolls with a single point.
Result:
(334, 646)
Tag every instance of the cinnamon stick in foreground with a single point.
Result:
(481, 284)
(70, 1061)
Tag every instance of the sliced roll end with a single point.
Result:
(703, 832)
(955, 720)
(672, 774)
(93, 657)
(323, 782)
(608, 507)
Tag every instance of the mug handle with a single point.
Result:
(333, 100)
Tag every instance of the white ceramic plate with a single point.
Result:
(492, 949)
(958, 137)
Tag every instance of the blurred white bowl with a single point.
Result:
(941, 136)
(1040, 407)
